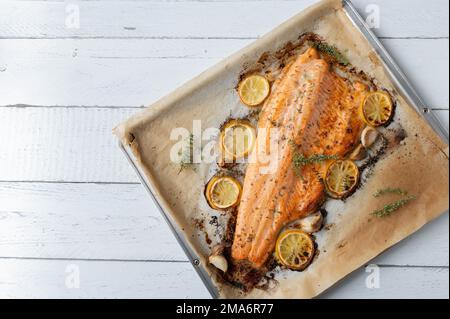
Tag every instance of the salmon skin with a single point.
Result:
(314, 111)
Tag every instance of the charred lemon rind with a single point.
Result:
(336, 173)
(377, 109)
(213, 189)
(295, 249)
(208, 191)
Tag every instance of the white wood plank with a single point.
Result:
(138, 72)
(395, 283)
(47, 279)
(443, 117)
(84, 221)
(66, 144)
(102, 72)
(62, 144)
(43, 19)
(423, 67)
(91, 221)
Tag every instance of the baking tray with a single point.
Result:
(179, 235)
(399, 81)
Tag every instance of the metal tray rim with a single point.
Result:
(192, 256)
(396, 74)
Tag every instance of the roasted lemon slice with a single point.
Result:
(223, 192)
(341, 178)
(237, 139)
(253, 90)
(377, 108)
(295, 249)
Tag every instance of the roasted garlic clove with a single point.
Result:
(369, 136)
(219, 262)
(359, 153)
(312, 223)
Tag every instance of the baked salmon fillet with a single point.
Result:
(310, 111)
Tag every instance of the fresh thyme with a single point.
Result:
(186, 158)
(390, 208)
(332, 51)
(390, 190)
(300, 160)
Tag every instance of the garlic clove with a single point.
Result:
(312, 223)
(369, 136)
(219, 262)
(358, 154)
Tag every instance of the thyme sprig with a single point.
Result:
(186, 161)
(390, 190)
(390, 208)
(332, 51)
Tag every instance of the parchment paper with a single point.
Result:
(420, 164)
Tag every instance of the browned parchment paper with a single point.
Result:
(419, 164)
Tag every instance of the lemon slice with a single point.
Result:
(377, 108)
(295, 249)
(341, 178)
(223, 192)
(237, 139)
(253, 90)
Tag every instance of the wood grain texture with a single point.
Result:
(62, 144)
(83, 221)
(138, 72)
(81, 82)
(404, 283)
(98, 279)
(98, 221)
(48, 278)
(173, 19)
(66, 144)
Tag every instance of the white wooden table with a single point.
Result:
(74, 221)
